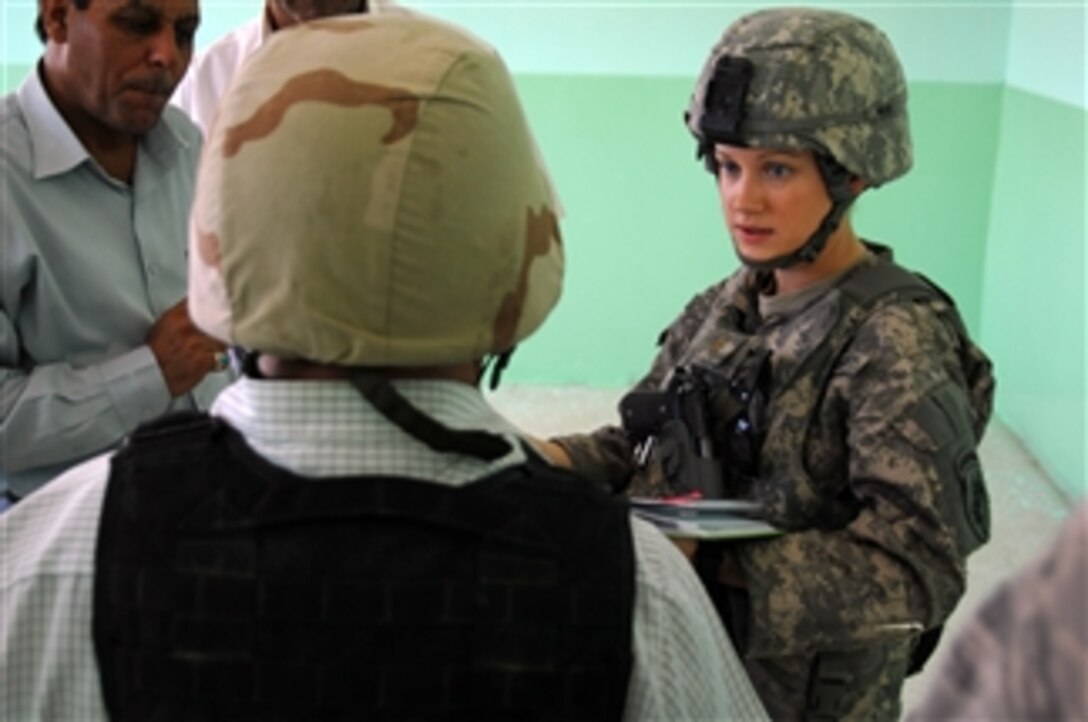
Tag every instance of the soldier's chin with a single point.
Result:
(748, 258)
(757, 262)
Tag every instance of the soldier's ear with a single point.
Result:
(858, 184)
(54, 16)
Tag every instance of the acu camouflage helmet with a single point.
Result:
(369, 195)
(804, 78)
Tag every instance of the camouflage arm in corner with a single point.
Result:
(900, 396)
(1024, 652)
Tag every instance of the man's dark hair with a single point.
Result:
(39, 26)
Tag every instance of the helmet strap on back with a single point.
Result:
(497, 363)
(381, 394)
(246, 362)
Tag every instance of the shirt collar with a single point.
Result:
(288, 421)
(454, 403)
(55, 148)
(787, 304)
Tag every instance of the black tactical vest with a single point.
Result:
(230, 589)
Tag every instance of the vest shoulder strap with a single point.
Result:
(886, 281)
(884, 278)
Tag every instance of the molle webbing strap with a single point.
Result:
(872, 283)
(885, 280)
(229, 588)
(862, 290)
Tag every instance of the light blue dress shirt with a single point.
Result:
(87, 264)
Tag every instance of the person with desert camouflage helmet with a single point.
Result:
(845, 396)
(213, 69)
(353, 532)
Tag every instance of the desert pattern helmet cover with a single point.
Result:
(369, 196)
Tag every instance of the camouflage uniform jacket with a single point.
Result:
(855, 463)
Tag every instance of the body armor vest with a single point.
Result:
(227, 588)
(801, 383)
(792, 387)
(784, 484)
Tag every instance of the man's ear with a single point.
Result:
(857, 185)
(54, 14)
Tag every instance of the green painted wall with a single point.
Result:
(1034, 302)
(11, 76)
(642, 37)
(643, 230)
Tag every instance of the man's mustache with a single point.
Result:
(159, 84)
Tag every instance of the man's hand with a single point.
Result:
(687, 547)
(551, 451)
(184, 353)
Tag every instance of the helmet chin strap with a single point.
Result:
(837, 181)
(497, 364)
(379, 391)
(389, 402)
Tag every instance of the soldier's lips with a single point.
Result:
(753, 235)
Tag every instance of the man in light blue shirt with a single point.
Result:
(97, 178)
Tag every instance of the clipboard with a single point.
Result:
(696, 518)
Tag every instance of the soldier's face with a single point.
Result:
(773, 200)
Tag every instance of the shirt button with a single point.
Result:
(152, 269)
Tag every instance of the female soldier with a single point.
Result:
(844, 393)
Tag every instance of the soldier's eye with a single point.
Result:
(728, 167)
(777, 171)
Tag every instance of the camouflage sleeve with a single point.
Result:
(605, 455)
(899, 566)
(1024, 653)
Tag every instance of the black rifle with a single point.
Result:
(703, 424)
(674, 427)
